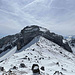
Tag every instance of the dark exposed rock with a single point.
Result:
(35, 68)
(1, 51)
(33, 49)
(27, 34)
(61, 52)
(22, 65)
(42, 68)
(67, 47)
(58, 73)
(18, 45)
(72, 42)
(14, 67)
(64, 69)
(39, 58)
(28, 59)
(10, 71)
(57, 63)
(1, 61)
(7, 47)
(1, 68)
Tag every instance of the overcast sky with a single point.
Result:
(56, 15)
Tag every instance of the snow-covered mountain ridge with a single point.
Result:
(45, 53)
(29, 33)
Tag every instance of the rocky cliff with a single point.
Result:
(27, 34)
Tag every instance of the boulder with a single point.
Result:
(35, 68)
(1, 68)
(22, 65)
(42, 68)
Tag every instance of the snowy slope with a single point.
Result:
(44, 53)
(8, 54)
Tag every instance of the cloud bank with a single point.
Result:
(56, 15)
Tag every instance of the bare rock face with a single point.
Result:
(18, 45)
(22, 65)
(35, 68)
(27, 34)
(42, 68)
(1, 68)
(72, 42)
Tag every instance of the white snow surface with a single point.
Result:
(9, 54)
(36, 67)
(64, 41)
(44, 53)
(43, 29)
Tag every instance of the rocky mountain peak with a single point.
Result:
(27, 34)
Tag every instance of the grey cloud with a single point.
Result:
(51, 14)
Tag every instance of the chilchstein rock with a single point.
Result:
(27, 34)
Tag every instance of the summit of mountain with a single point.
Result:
(28, 34)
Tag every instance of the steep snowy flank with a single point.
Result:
(44, 53)
(9, 54)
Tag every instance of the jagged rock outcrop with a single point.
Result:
(27, 34)
(72, 42)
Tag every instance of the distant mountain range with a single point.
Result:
(69, 36)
